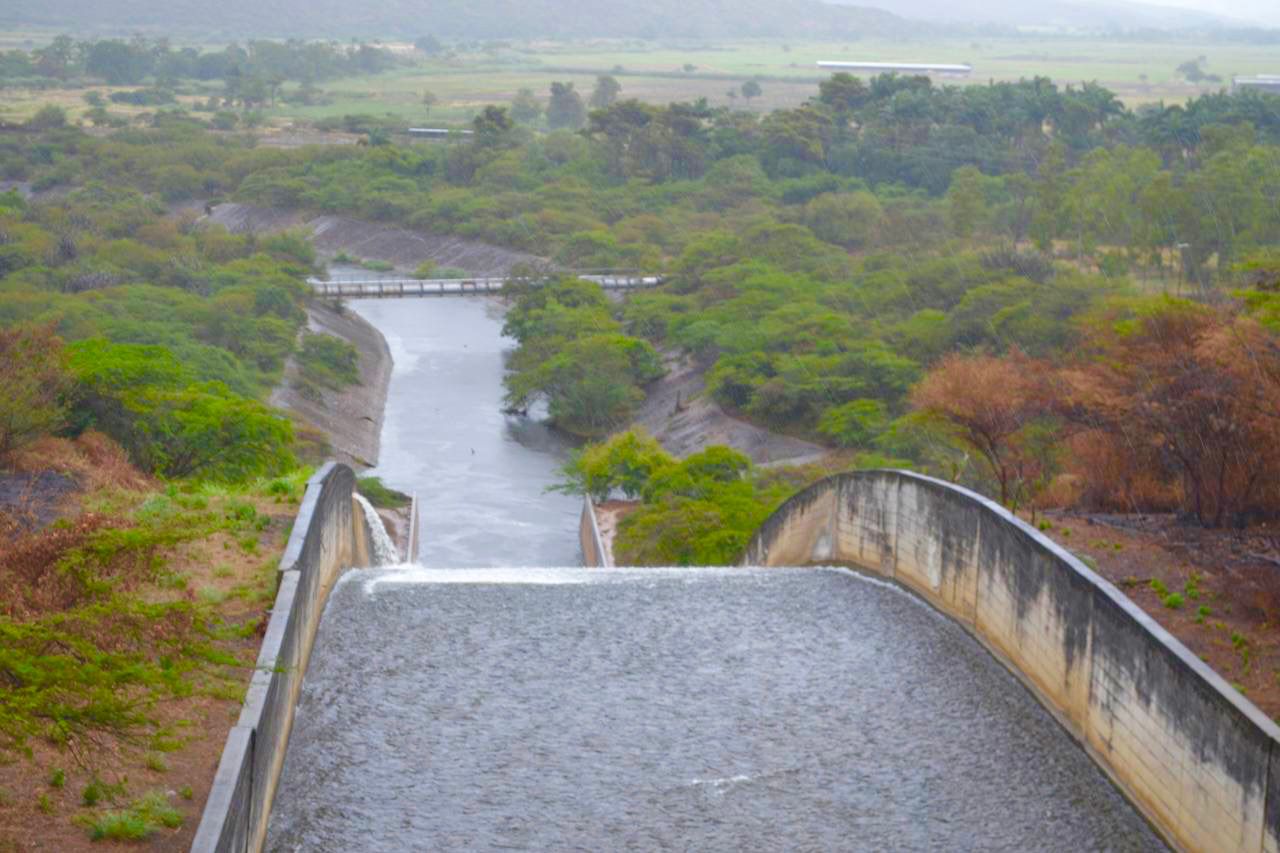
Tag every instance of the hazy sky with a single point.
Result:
(1263, 11)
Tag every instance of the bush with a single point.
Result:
(143, 817)
(328, 361)
(380, 495)
(33, 381)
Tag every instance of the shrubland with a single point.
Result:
(1028, 289)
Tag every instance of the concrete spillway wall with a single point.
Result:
(329, 535)
(1200, 761)
(594, 554)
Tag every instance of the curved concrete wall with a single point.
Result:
(1197, 758)
(328, 536)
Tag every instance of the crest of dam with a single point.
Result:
(1199, 760)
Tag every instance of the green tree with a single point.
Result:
(855, 424)
(33, 383)
(525, 107)
(851, 220)
(606, 92)
(565, 110)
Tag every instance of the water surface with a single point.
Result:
(456, 707)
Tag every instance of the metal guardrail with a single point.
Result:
(397, 287)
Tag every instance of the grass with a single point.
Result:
(58, 778)
(380, 495)
(157, 763)
(1139, 72)
(142, 818)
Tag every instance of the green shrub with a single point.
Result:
(380, 495)
(1158, 587)
(328, 362)
(142, 818)
(1173, 600)
(58, 778)
(119, 826)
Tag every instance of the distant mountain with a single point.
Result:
(487, 19)
(1089, 15)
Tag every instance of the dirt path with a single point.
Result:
(400, 247)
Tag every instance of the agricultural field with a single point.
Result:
(656, 72)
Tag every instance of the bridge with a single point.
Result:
(386, 287)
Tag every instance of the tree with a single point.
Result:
(851, 220)
(605, 93)
(143, 397)
(566, 110)
(33, 384)
(493, 127)
(429, 100)
(525, 107)
(966, 202)
(48, 118)
(1189, 393)
(999, 409)
(855, 424)
(751, 89)
(428, 44)
(623, 463)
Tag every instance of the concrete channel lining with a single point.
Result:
(594, 554)
(1200, 761)
(328, 537)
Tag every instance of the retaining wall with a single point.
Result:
(1199, 760)
(329, 535)
(594, 554)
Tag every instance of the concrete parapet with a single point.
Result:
(328, 537)
(594, 554)
(1197, 758)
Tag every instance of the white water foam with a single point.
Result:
(385, 552)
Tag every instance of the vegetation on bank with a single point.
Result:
(136, 352)
(696, 511)
(1030, 290)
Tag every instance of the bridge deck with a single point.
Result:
(398, 287)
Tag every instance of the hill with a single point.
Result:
(488, 19)
(1077, 15)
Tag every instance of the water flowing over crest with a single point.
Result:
(385, 552)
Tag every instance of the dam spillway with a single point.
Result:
(469, 707)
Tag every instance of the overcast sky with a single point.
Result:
(1262, 11)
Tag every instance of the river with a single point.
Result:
(476, 703)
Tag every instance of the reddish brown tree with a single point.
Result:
(1192, 392)
(999, 408)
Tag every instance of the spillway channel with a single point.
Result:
(477, 702)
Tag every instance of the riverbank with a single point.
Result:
(684, 419)
(350, 419)
(402, 248)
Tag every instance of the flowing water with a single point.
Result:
(454, 706)
(385, 552)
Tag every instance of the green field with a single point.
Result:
(788, 72)
(1138, 72)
